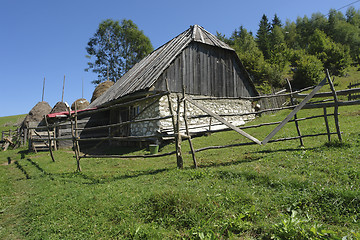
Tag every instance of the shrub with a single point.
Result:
(309, 71)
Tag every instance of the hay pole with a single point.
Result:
(295, 116)
(43, 91)
(336, 106)
(49, 139)
(63, 89)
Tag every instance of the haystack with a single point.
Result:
(100, 89)
(81, 103)
(37, 113)
(59, 107)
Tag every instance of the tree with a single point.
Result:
(263, 36)
(353, 16)
(308, 71)
(276, 22)
(334, 56)
(115, 48)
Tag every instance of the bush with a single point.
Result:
(308, 72)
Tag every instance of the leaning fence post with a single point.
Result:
(336, 106)
(187, 131)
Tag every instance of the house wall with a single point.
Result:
(207, 71)
(161, 109)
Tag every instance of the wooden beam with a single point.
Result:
(296, 109)
(222, 120)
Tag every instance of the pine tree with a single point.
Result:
(276, 22)
(263, 36)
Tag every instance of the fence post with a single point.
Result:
(327, 125)
(349, 96)
(179, 158)
(175, 127)
(74, 141)
(295, 116)
(336, 107)
(49, 138)
(188, 132)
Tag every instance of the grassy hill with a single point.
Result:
(279, 191)
(10, 122)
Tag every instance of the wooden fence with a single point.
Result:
(179, 118)
(354, 95)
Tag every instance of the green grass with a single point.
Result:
(10, 122)
(278, 191)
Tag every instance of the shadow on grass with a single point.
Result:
(285, 150)
(247, 159)
(101, 180)
(23, 153)
(22, 169)
(37, 166)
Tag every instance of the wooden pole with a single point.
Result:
(295, 116)
(178, 151)
(63, 89)
(43, 92)
(74, 140)
(179, 158)
(188, 132)
(327, 124)
(336, 106)
(49, 139)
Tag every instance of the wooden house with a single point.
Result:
(195, 61)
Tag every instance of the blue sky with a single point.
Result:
(41, 38)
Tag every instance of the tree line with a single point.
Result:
(299, 51)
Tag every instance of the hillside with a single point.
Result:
(278, 191)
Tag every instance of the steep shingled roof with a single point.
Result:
(145, 73)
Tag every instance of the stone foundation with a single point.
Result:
(161, 109)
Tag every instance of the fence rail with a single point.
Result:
(351, 95)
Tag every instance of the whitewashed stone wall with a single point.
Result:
(161, 109)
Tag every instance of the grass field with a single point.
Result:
(276, 191)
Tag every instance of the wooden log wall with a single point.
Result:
(208, 71)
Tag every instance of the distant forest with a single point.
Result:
(299, 51)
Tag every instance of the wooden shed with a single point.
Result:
(195, 61)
